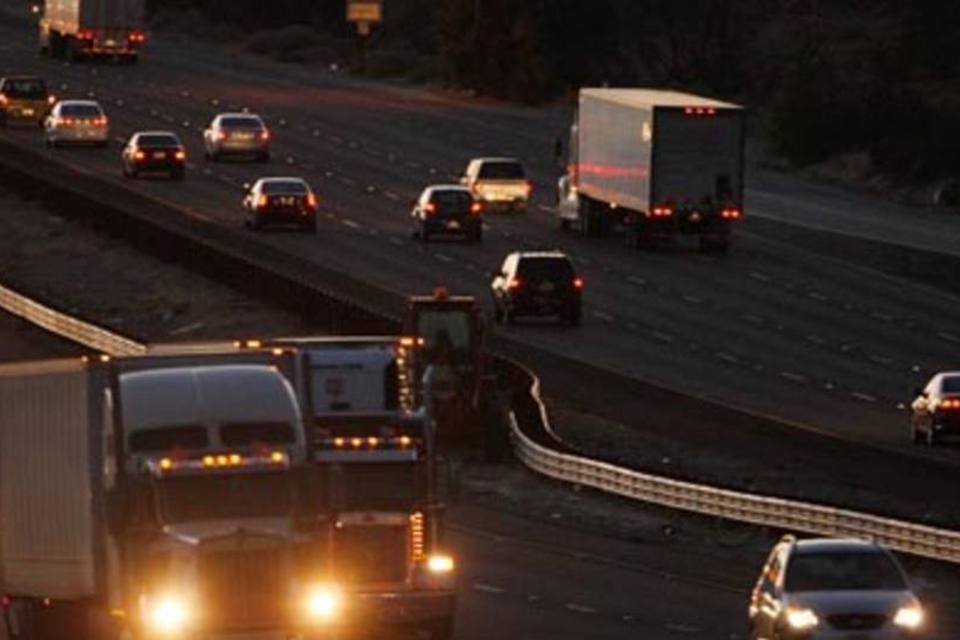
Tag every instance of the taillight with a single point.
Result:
(578, 283)
(430, 208)
(221, 135)
(730, 213)
(660, 211)
(6, 601)
(51, 99)
(312, 200)
(262, 201)
(137, 36)
(3, 100)
(139, 155)
(514, 284)
(700, 111)
(180, 154)
(264, 135)
(949, 403)
(67, 122)
(476, 208)
(100, 122)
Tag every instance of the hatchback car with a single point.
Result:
(445, 210)
(154, 152)
(77, 121)
(935, 411)
(830, 589)
(283, 201)
(237, 134)
(24, 99)
(500, 183)
(536, 284)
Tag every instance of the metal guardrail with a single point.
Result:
(908, 537)
(68, 327)
(921, 540)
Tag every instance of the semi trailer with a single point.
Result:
(76, 29)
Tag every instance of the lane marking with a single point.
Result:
(816, 295)
(726, 357)
(396, 241)
(350, 223)
(637, 280)
(692, 299)
(749, 317)
(948, 336)
(347, 181)
(662, 337)
(881, 359)
(390, 195)
(762, 277)
(606, 317)
(682, 628)
(487, 588)
(579, 608)
(866, 397)
(879, 315)
(816, 339)
(795, 377)
(442, 257)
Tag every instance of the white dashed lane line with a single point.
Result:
(762, 277)
(816, 340)
(487, 588)
(390, 195)
(726, 357)
(752, 319)
(606, 317)
(637, 280)
(682, 628)
(396, 241)
(350, 223)
(866, 397)
(948, 336)
(442, 257)
(579, 608)
(663, 337)
(794, 377)
(816, 295)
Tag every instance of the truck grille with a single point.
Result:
(244, 589)
(372, 553)
(857, 621)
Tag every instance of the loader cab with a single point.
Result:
(448, 326)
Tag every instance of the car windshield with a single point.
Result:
(158, 140)
(284, 187)
(240, 122)
(224, 496)
(25, 88)
(502, 171)
(81, 110)
(391, 485)
(168, 438)
(436, 327)
(452, 200)
(537, 269)
(951, 384)
(843, 571)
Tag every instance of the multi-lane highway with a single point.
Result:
(772, 327)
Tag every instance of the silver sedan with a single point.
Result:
(237, 134)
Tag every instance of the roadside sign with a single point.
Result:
(364, 11)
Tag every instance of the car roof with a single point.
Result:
(447, 187)
(155, 133)
(543, 254)
(79, 103)
(835, 545)
(282, 179)
(240, 114)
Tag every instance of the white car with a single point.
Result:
(77, 121)
(500, 183)
(239, 134)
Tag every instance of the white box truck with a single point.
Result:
(156, 496)
(658, 163)
(76, 29)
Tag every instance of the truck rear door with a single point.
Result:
(697, 155)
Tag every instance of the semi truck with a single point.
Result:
(76, 29)
(157, 496)
(659, 164)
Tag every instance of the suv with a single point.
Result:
(537, 283)
(447, 210)
(826, 588)
(499, 182)
(25, 99)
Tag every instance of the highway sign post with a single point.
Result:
(364, 14)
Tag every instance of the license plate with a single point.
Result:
(287, 201)
(243, 136)
(110, 43)
(159, 155)
(453, 224)
(695, 216)
(546, 287)
(27, 112)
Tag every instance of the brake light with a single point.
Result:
(312, 200)
(264, 135)
(430, 208)
(578, 283)
(514, 284)
(139, 155)
(99, 122)
(85, 35)
(661, 211)
(950, 403)
(3, 100)
(137, 36)
(476, 208)
(67, 122)
(262, 201)
(730, 214)
(6, 601)
(51, 99)
(180, 154)
(221, 135)
(700, 111)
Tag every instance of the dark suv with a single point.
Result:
(24, 99)
(444, 210)
(537, 283)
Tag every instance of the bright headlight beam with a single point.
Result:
(440, 564)
(909, 617)
(802, 618)
(323, 603)
(167, 615)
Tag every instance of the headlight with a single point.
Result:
(801, 619)
(440, 564)
(323, 603)
(909, 616)
(166, 614)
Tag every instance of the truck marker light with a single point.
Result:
(416, 535)
(373, 442)
(209, 461)
(139, 155)
(404, 441)
(166, 464)
(339, 442)
(104, 357)
(254, 344)
(278, 457)
(222, 460)
(180, 155)
(235, 459)
(356, 442)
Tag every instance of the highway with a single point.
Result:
(772, 328)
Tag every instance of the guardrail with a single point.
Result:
(921, 540)
(916, 539)
(68, 327)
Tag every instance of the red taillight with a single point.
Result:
(660, 212)
(700, 111)
(67, 122)
(476, 208)
(312, 200)
(514, 284)
(221, 135)
(950, 403)
(99, 122)
(3, 100)
(262, 201)
(6, 601)
(51, 99)
(730, 214)
(264, 135)
(139, 155)
(180, 154)
(85, 35)
(137, 36)
(430, 208)
(578, 283)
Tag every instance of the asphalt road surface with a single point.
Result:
(773, 328)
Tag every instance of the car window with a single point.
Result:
(158, 140)
(950, 384)
(240, 122)
(452, 199)
(80, 110)
(25, 88)
(283, 187)
(452, 331)
(554, 269)
(502, 171)
(869, 571)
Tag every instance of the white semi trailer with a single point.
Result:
(658, 163)
(76, 29)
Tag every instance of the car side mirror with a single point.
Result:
(464, 180)
(246, 186)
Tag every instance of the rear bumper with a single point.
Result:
(80, 134)
(26, 113)
(463, 226)
(285, 215)
(252, 147)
